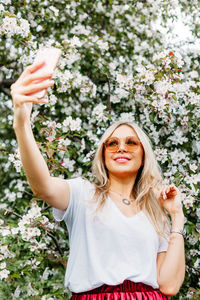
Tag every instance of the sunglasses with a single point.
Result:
(131, 144)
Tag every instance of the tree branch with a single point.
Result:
(56, 243)
(7, 82)
(109, 103)
(12, 212)
(46, 208)
(5, 91)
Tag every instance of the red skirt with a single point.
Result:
(128, 290)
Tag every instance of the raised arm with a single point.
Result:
(55, 191)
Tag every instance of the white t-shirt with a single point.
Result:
(110, 247)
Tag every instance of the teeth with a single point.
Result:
(122, 159)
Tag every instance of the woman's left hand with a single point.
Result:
(170, 198)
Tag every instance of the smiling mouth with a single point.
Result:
(122, 159)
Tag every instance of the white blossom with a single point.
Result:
(178, 137)
(46, 274)
(161, 154)
(3, 265)
(162, 87)
(196, 146)
(98, 111)
(14, 230)
(16, 160)
(197, 263)
(31, 292)
(127, 117)
(74, 125)
(11, 27)
(102, 45)
(55, 10)
(7, 2)
(68, 164)
(1, 8)
(17, 292)
(125, 81)
(5, 232)
(4, 274)
(193, 167)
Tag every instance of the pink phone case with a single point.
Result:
(51, 57)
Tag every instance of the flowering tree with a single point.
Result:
(115, 65)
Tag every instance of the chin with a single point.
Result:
(123, 173)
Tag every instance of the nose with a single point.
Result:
(122, 147)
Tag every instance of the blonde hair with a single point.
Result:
(149, 175)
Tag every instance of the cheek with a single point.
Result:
(140, 154)
(138, 158)
(107, 158)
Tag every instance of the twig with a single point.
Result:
(46, 208)
(56, 243)
(12, 212)
(197, 200)
(28, 193)
(109, 103)
(7, 82)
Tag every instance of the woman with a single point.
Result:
(117, 225)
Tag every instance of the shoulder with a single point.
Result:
(81, 182)
(88, 183)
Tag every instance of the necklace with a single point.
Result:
(124, 200)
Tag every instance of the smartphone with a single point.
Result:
(51, 57)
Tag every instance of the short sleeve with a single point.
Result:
(163, 244)
(75, 187)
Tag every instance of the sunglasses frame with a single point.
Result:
(105, 144)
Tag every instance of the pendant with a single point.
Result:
(126, 201)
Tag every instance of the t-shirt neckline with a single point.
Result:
(120, 213)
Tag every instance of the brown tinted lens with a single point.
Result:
(131, 144)
(112, 144)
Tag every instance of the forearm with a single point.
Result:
(172, 271)
(34, 165)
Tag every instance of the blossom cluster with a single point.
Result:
(12, 25)
(16, 160)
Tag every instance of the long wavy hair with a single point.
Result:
(149, 175)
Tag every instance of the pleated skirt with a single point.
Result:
(128, 290)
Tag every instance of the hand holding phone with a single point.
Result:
(51, 57)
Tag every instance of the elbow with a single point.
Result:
(39, 195)
(35, 193)
(171, 288)
(169, 291)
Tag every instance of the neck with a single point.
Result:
(123, 186)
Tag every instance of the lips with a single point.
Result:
(122, 158)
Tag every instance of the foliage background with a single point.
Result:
(116, 64)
